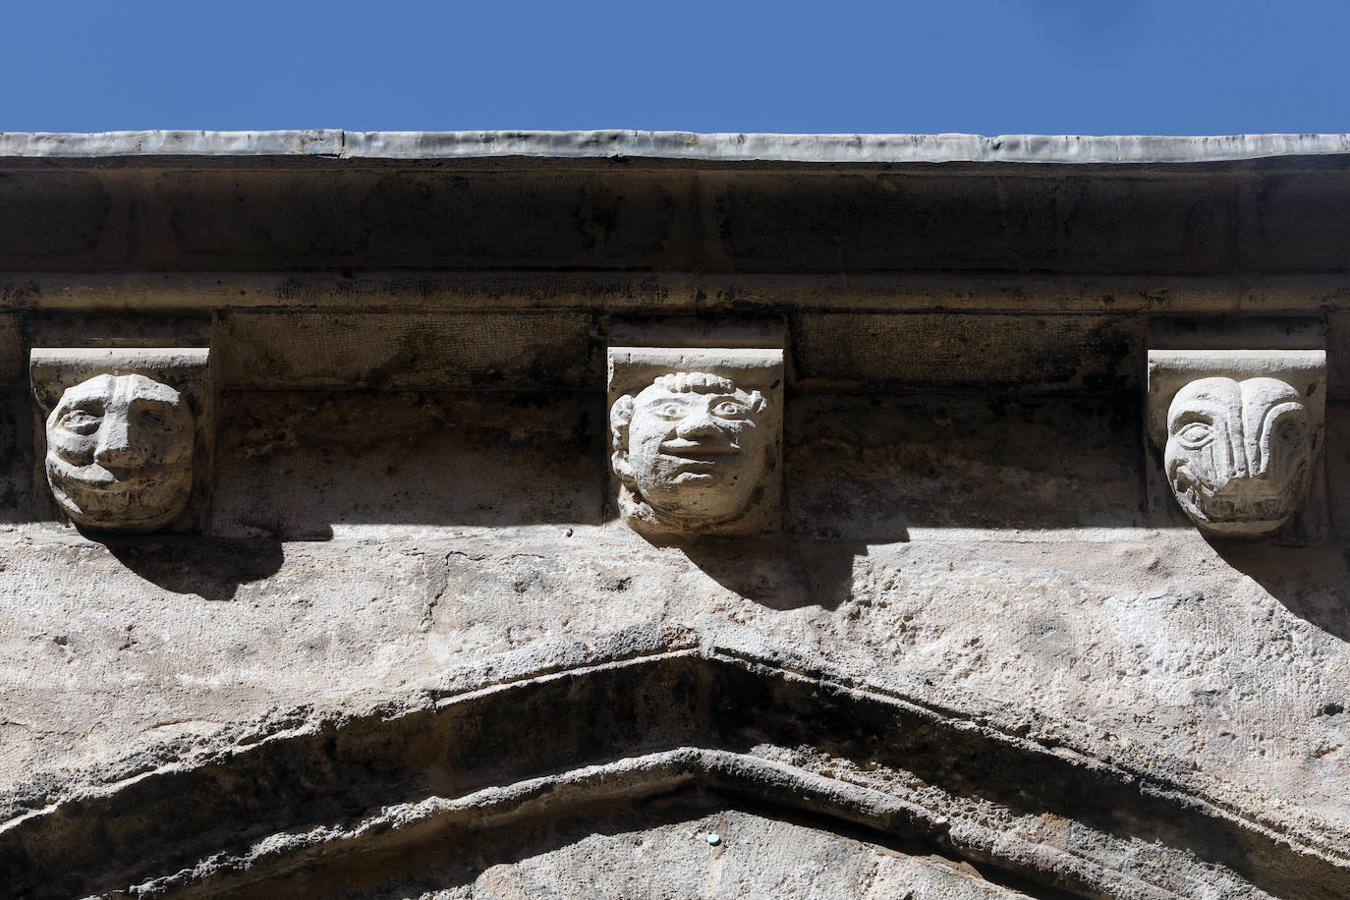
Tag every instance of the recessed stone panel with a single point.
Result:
(295, 218)
(411, 350)
(869, 351)
(51, 217)
(1296, 222)
(505, 219)
(12, 368)
(877, 468)
(930, 220)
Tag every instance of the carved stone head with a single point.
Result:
(128, 435)
(1238, 453)
(691, 446)
(120, 453)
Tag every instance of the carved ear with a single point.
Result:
(622, 468)
(620, 417)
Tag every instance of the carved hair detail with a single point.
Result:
(620, 417)
(694, 382)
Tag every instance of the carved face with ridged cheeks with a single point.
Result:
(690, 446)
(120, 453)
(1238, 453)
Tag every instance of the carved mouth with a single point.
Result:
(109, 480)
(1229, 507)
(682, 447)
(1226, 510)
(694, 456)
(686, 477)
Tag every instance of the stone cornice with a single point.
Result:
(672, 145)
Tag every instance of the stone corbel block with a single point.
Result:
(124, 436)
(1238, 436)
(696, 427)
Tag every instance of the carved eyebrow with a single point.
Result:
(83, 404)
(1280, 411)
(1210, 412)
(157, 401)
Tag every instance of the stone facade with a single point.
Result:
(657, 515)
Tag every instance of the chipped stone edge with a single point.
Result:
(673, 145)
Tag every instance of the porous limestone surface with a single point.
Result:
(754, 857)
(1155, 653)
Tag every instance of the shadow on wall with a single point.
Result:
(780, 573)
(208, 568)
(873, 467)
(294, 465)
(1310, 582)
(16, 448)
(291, 465)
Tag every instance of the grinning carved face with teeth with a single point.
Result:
(119, 453)
(1238, 453)
(689, 447)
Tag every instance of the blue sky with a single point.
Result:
(986, 66)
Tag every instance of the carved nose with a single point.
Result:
(115, 447)
(697, 427)
(1221, 479)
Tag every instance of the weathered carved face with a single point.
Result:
(689, 445)
(119, 453)
(1238, 453)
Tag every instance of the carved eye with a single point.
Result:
(1290, 435)
(731, 409)
(1194, 435)
(669, 410)
(152, 420)
(80, 421)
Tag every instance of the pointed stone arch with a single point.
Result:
(311, 799)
